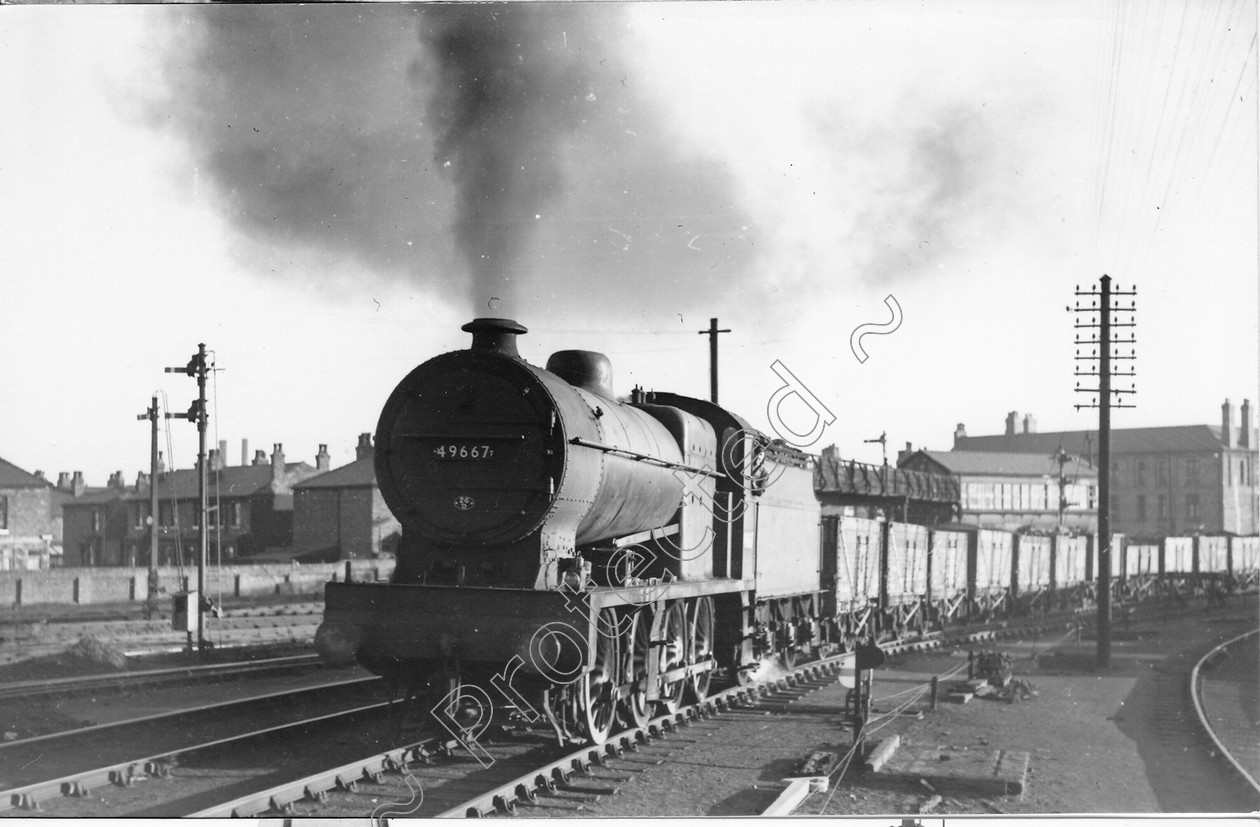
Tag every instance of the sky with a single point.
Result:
(324, 194)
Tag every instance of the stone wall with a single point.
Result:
(81, 586)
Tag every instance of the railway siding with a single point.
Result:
(1226, 683)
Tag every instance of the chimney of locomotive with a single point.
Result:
(498, 335)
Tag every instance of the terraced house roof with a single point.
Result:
(13, 477)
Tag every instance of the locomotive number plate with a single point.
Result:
(464, 451)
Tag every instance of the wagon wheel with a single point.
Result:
(598, 695)
(636, 648)
(701, 644)
(787, 658)
(672, 655)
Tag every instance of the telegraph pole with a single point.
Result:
(196, 368)
(150, 605)
(712, 333)
(1105, 314)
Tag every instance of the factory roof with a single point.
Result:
(996, 463)
(1169, 439)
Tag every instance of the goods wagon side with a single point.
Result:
(788, 534)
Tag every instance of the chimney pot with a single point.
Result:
(260, 457)
(216, 459)
(77, 483)
(1030, 424)
(322, 461)
(161, 462)
(63, 480)
(1227, 424)
(1244, 427)
(960, 432)
(364, 448)
(1011, 419)
(223, 453)
(142, 481)
(40, 475)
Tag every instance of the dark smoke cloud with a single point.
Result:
(923, 188)
(483, 150)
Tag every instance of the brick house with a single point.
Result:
(1015, 492)
(251, 509)
(340, 515)
(1167, 481)
(93, 521)
(26, 522)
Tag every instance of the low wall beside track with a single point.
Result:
(86, 586)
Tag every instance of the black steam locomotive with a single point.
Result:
(589, 559)
(584, 557)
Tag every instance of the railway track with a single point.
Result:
(1226, 696)
(54, 771)
(152, 677)
(517, 769)
(521, 769)
(242, 626)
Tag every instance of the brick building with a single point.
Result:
(1015, 492)
(1167, 481)
(94, 520)
(26, 523)
(340, 515)
(251, 509)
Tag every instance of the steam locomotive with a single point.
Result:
(591, 557)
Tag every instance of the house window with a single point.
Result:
(234, 515)
(1141, 473)
(1242, 472)
(1161, 472)
(166, 513)
(1162, 507)
(1192, 470)
(139, 514)
(1192, 506)
(96, 519)
(1141, 507)
(4, 513)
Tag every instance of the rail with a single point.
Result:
(53, 686)
(1202, 713)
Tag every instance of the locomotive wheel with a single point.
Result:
(636, 649)
(701, 626)
(787, 658)
(598, 686)
(673, 654)
(744, 677)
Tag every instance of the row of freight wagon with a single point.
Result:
(931, 576)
